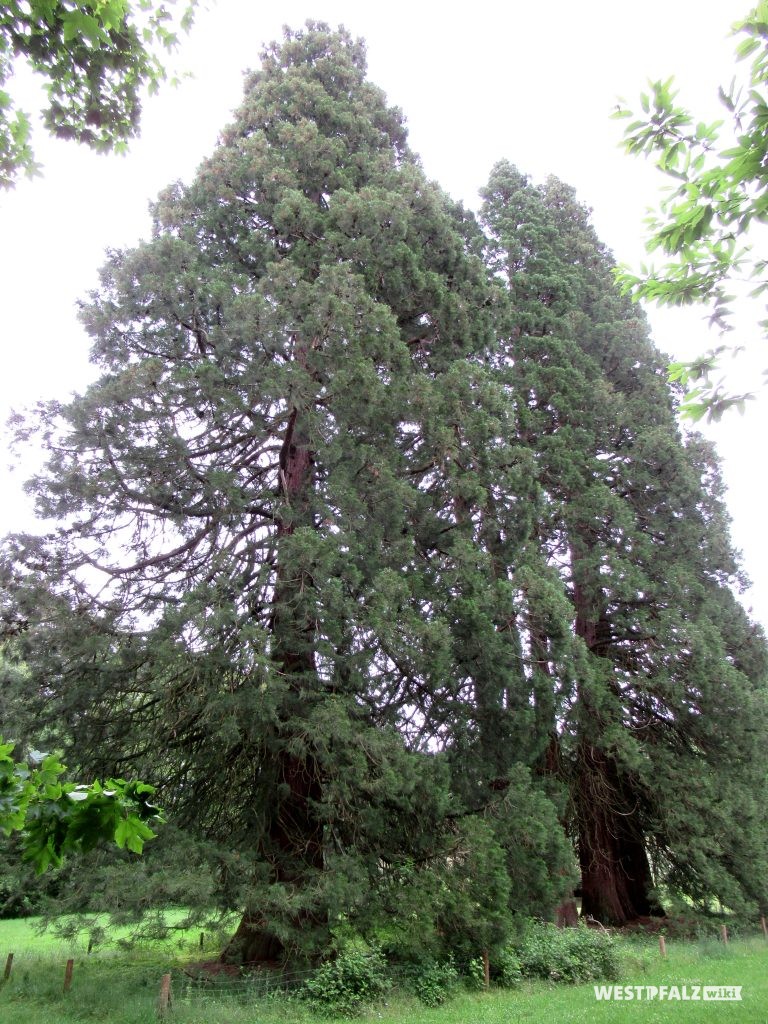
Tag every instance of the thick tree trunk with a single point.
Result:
(294, 847)
(616, 879)
(567, 914)
(253, 943)
(293, 843)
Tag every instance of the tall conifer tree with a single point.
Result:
(375, 553)
(251, 494)
(628, 523)
(268, 588)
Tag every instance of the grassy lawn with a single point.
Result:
(745, 963)
(122, 987)
(23, 936)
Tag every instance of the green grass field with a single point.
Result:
(24, 936)
(122, 988)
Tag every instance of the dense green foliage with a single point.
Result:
(433, 981)
(569, 955)
(381, 555)
(342, 986)
(632, 621)
(716, 195)
(96, 57)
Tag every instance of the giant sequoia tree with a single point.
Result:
(632, 523)
(378, 547)
(265, 519)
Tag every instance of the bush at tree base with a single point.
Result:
(356, 976)
(569, 955)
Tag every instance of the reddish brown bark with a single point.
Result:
(616, 878)
(294, 841)
(567, 914)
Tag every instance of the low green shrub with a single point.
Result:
(357, 976)
(567, 954)
(432, 981)
(506, 971)
(476, 974)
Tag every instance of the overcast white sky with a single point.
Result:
(478, 82)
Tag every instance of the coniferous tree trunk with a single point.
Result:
(294, 840)
(616, 878)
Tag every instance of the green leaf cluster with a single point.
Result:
(56, 817)
(97, 56)
(569, 955)
(718, 193)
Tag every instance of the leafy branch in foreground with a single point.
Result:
(717, 196)
(97, 56)
(56, 817)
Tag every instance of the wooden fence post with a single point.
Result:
(202, 939)
(68, 975)
(486, 970)
(662, 945)
(764, 926)
(8, 966)
(164, 1002)
(724, 933)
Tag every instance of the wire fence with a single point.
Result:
(249, 984)
(185, 983)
